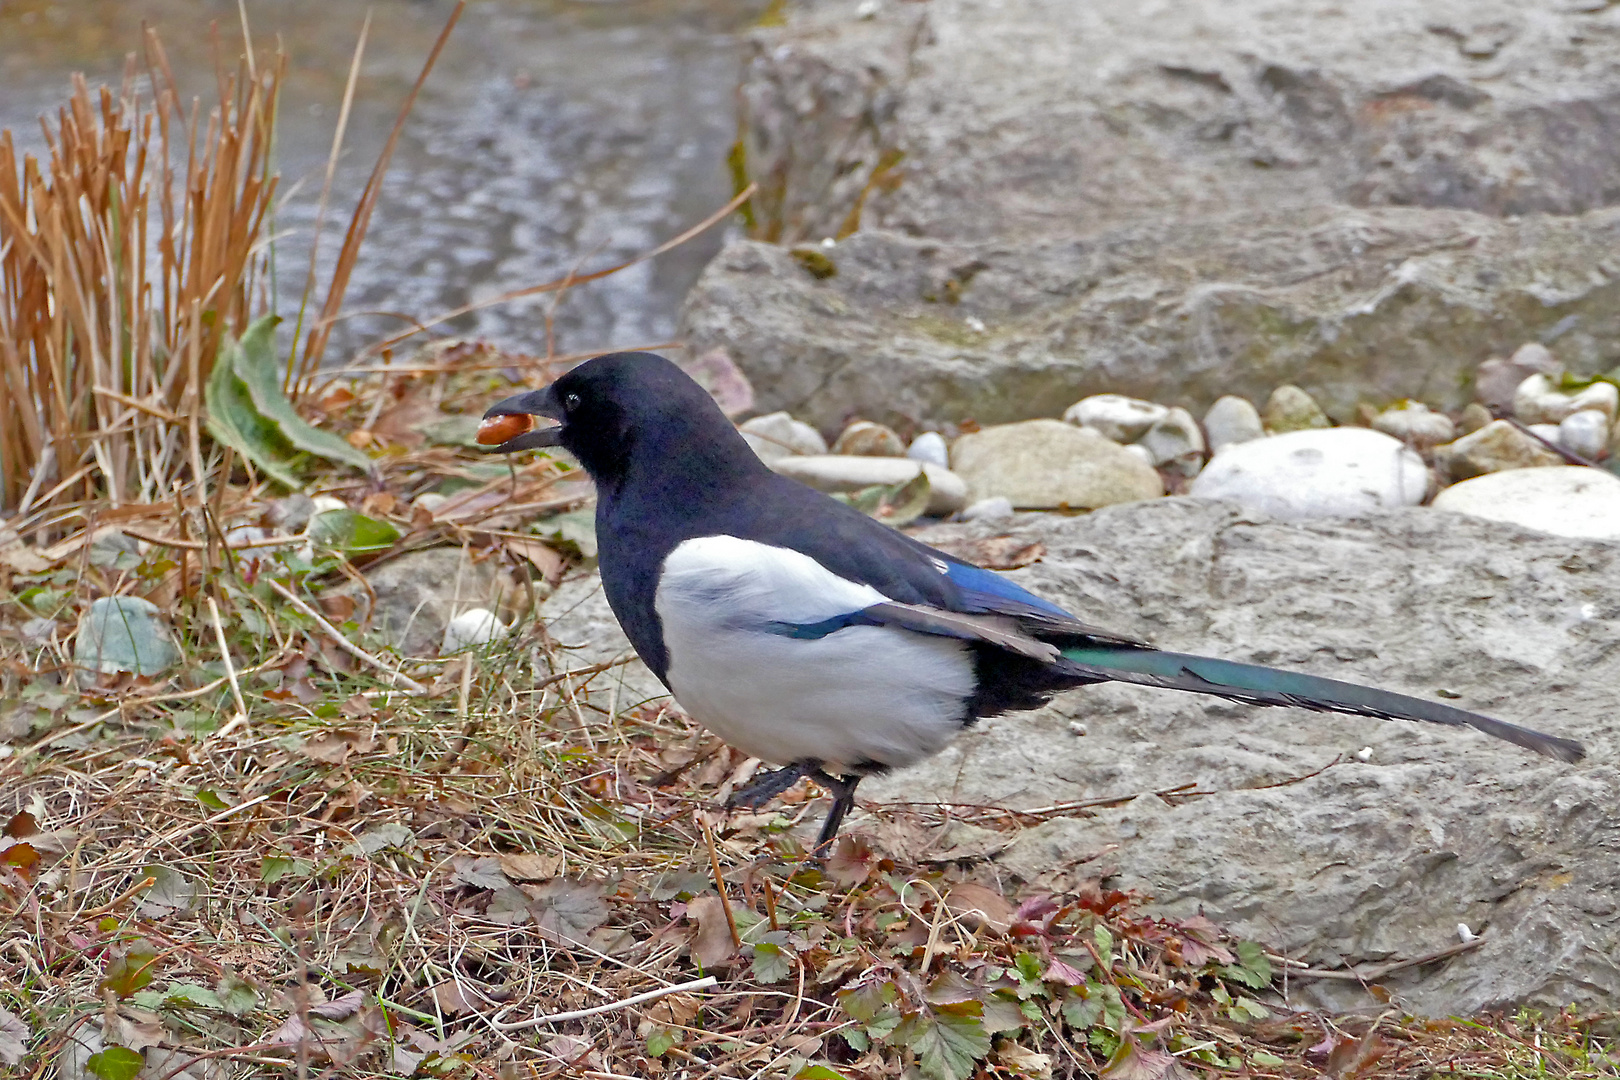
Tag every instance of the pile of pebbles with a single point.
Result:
(1527, 451)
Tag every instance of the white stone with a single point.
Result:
(1175, 443)
(1565, 500)
(1139, 451)
(1537, 401)
(866, 438)
(1545, 431)
(1232, 420)
(778, 430)
(1414, 423)
(841, 473)
(992, 509)
(1585, 433)
(1327, 472)
(429, 501)
(473, 627)
(930, 447)
(1116, 416)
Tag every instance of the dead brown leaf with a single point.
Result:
(711, 944)
(333, 747)
(527, 866)
(567, 911)
(981, 907)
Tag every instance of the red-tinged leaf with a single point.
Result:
(866, 1001)
(852, 861)
(20, 855)
(21, 825)
(1132, 1062)
(339, 1008)
(1068, 974)
(950, 988)
(1356, 1058)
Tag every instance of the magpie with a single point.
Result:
(811, 636)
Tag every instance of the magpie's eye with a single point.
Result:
(570, 402)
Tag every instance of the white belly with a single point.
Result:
(858, 695)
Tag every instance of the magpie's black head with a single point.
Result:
(624, 407)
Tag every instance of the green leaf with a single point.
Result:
(236, 994)
(276, 867)
(254, 359)
(947, 1041)
(353, 533)
(210, 798)
(818, 1072)
(132, 970)
(1105, 944)
(190, 995)
(865, 1002)
(857, 1039)
(772, 963)
(1260, 1057)
(661, 1042)
(233, 421)
(115, 1063)
(1252, 958)
(171, 891)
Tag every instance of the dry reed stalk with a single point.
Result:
(125, 257)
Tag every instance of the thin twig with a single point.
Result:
(597, 1010)
(1378, 971)
(230, 668)
(344, 643)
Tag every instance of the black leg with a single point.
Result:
(843, 792)
(769, 785)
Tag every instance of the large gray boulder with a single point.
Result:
(1174, 200)
(1365, 860)
(1361, 860)
(1017, 119)
(1352, 305)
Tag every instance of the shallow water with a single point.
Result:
(554, 135)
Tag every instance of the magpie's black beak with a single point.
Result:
(533, 403)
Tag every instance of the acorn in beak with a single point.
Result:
(509, 423)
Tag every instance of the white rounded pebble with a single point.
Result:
(1564, 500)
(475, 626)
(1327, 472)
(1413, 422)
(1364, 754)
(1537, 401)
(930, 447)
(994, 508)
(778, 429)
(1138, 450)
(1232, 420)
(1585, 433)
(1116, 416)
(1464, 934)
(1175, 443)
(1545, 431)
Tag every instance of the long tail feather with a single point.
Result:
(1259, 685)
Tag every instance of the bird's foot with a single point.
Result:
(769, 785)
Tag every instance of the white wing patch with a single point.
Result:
(859, 694)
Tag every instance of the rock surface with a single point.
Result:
(1048, 464)
(1336, 472)
(1565, 500)
(1367, 860)
(1291, 409)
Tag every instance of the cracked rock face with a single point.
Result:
(1173, 200)
(1360, 861)
(1296, 841)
